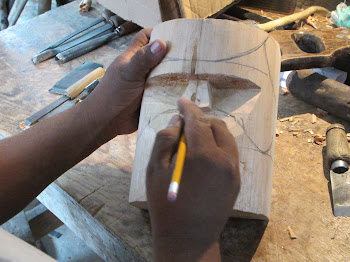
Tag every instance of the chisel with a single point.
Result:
(71, 93)
(52, 52)
(124, 29)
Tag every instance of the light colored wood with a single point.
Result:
(269, 26)
(203, 96)
(14, 249)
(241, 64)
(74, 90)
(149, 13)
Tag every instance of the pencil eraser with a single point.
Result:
(172, 196)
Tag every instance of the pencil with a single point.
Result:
(177, 173)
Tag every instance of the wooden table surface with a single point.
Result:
(92, 198)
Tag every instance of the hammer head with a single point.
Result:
(341, 193)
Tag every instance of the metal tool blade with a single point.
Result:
(84, 48)
(43, 112)
(340, 184)
(66, 38)
(73, 77)
(52, 52)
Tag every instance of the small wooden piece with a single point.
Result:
(313, 119)
(231, 70)
(291, 233)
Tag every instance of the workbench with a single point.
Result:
(92, 198)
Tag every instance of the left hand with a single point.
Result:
(122, 86)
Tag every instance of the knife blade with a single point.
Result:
(70, 93)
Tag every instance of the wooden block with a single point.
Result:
(241, 63)
(149, 13)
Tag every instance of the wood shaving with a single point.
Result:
(292, 235)
(313, 118)
(318, 139)
(284, 91)
(309, 130)
(284, 119)
(296, 134)
(311, 21)
(85, 5)
(309, 141)
(296, 121)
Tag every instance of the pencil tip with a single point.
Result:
(172, 196)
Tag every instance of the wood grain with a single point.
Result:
(244, 87)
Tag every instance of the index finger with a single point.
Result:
(197, 126)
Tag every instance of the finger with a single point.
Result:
(197, 126)
(223, 137)
(140, 39)
(166, 143)
(143, 61)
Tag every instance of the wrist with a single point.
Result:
(100, 120)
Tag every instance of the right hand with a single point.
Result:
(209, 186)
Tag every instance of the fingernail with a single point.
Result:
(156, 47)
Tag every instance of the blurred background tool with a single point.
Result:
(338, 155)
(70, 93)
(83, 48)
(77, 38)
(320, 91)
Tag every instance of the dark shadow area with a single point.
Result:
(309, 43)
(240, 239)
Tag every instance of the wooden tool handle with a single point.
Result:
(74, 90)
(337, 144)
(127, 28)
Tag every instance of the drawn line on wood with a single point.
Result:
(241, 124)
(269, 73)
(169, 111)
(174, 59)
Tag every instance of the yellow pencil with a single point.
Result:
(177, 173)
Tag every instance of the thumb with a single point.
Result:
(145, 59)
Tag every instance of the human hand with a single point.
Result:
(208, 190)
(121, 89)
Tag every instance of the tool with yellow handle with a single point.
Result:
(177, 173)
(70, 93)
